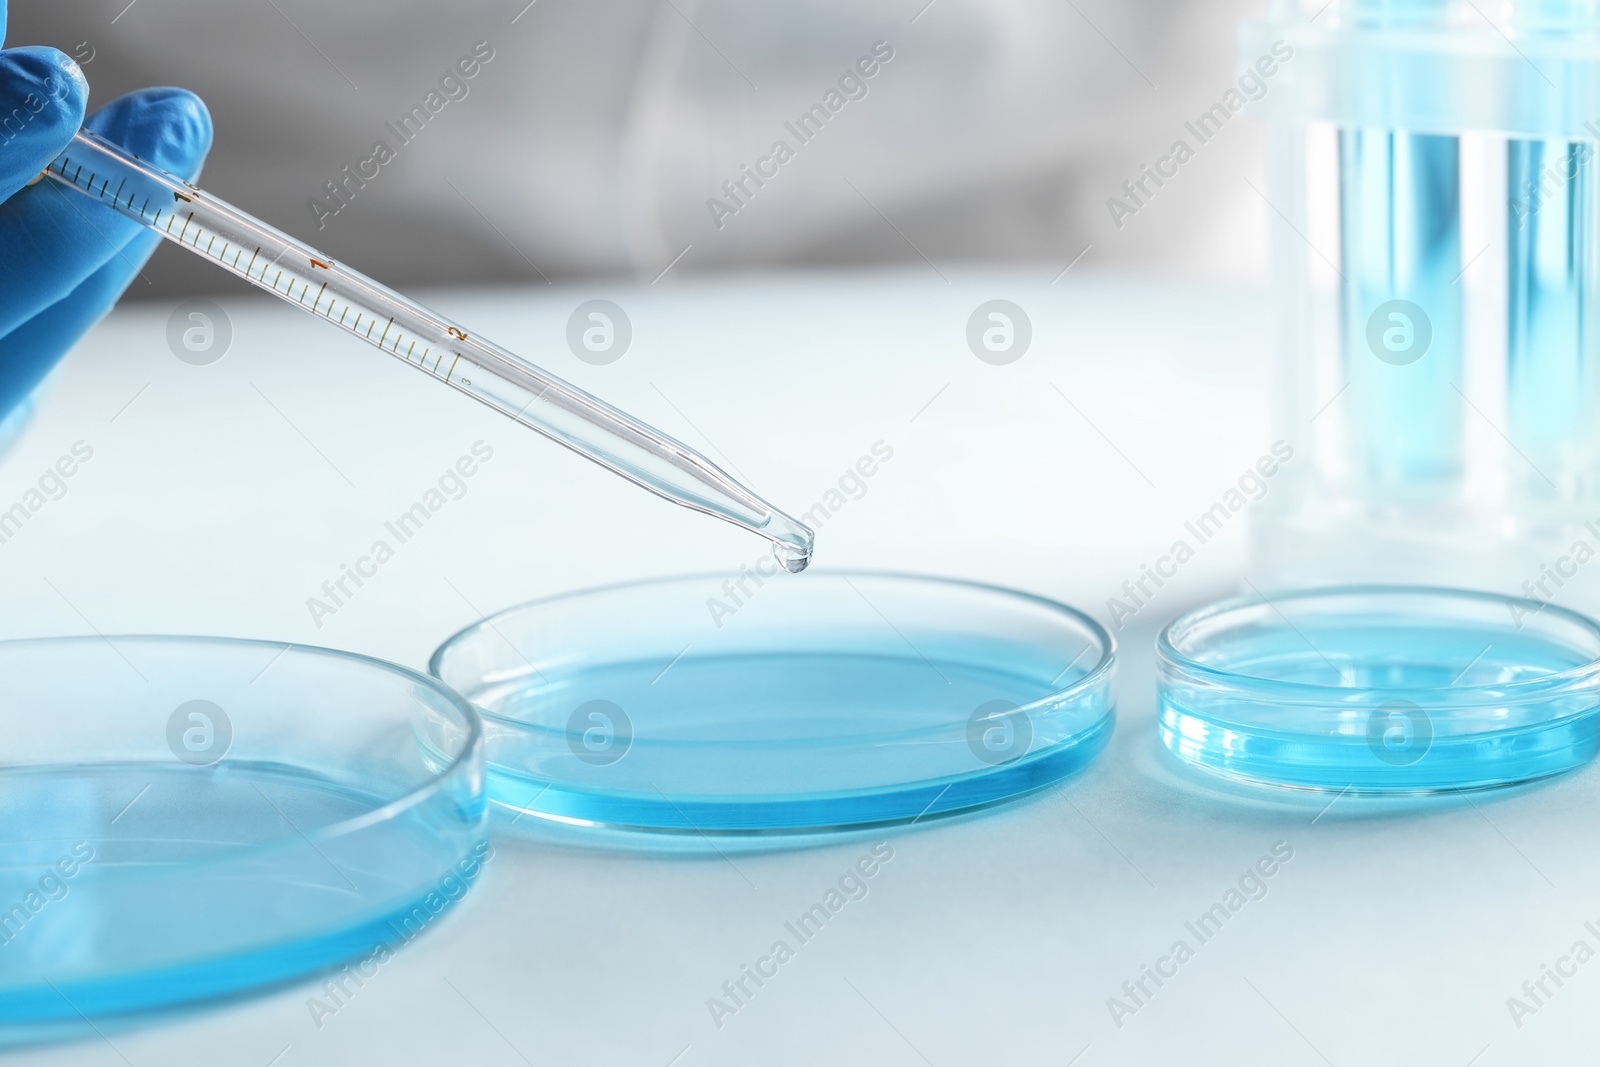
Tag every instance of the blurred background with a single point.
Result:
(590, 141)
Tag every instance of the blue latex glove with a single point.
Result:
(64, 259)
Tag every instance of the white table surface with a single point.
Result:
(222, 497)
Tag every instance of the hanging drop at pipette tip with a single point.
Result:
(792, 541)
(794, 558)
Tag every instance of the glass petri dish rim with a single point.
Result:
(1279, 691)
(1092, 678)
(456, 766)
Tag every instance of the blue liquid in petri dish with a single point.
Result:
(1381, 690)
(317, 803)
(782, 737)
(810, 713)
(172, 900)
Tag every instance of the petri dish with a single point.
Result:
(190, 818)
(1381, 689)
(800, 703)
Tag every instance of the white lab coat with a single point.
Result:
(598, 137)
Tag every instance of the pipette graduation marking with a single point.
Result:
(314, 282)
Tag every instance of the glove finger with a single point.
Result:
(29, 352)
(42, 95)
(53, 239)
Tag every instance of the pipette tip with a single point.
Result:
(792, 541)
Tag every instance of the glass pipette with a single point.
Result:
(306, 278)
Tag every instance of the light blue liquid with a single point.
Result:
(1403, 720)
(781, 740)
(1401, 241)
(214, 880)
(1550, 343)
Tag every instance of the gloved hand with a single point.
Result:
(64, 259)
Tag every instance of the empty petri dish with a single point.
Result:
(790, 703)
(1381, 689)
(189, 818)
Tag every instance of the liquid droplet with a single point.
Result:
(793, 558)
